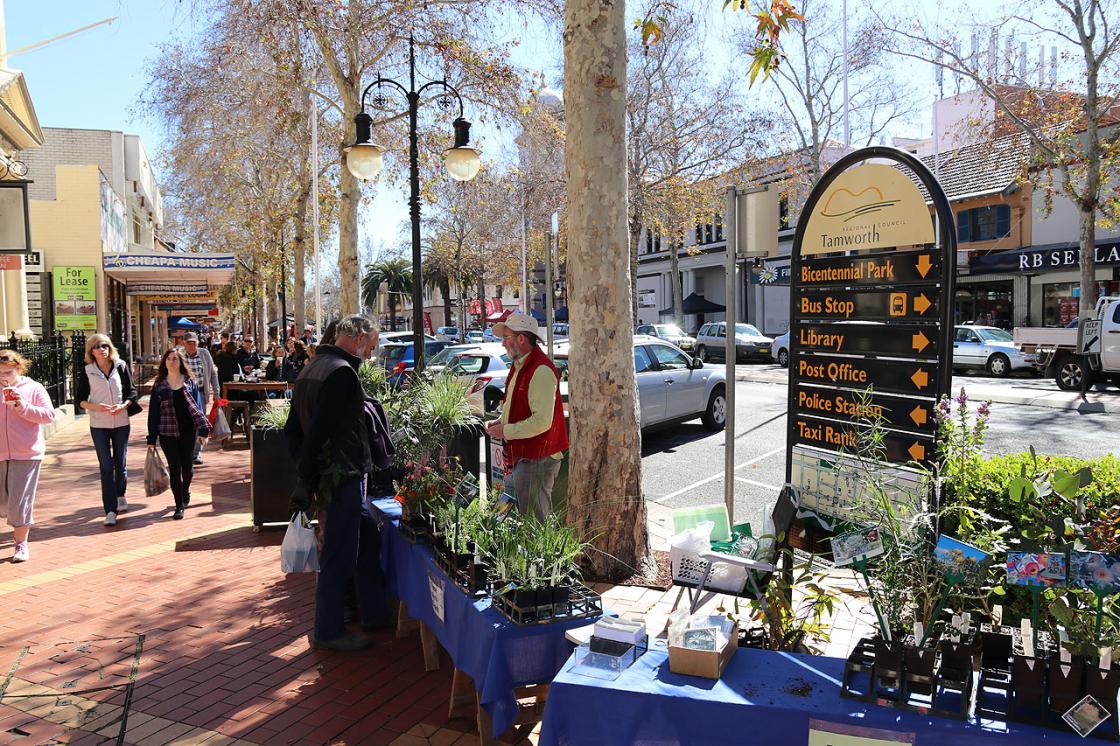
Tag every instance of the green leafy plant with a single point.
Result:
(271, 418)
(427, 414)
(528, 552)
(796, 608)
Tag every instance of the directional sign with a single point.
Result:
(891, 376)
(896, 412)
(1089, 337)
(896, 340)
(889, 268)
(844, 436)
(870, 305)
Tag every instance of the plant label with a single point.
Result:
(997, 614)
(919, 631)
(1086, 715)
(856, 546)
(436, 590)
(1106, 658)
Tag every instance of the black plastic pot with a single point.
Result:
(1028, 689)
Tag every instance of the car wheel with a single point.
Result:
(702, 353)
(783, 358)
(999, 365)
(1069, 374)
(715, 416)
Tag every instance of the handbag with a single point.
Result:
(156, 478)
(133, 408)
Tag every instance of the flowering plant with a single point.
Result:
(424, 486)
(960, 438)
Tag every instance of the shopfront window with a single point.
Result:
(1059, 303)
(984, 223)
(987, 305)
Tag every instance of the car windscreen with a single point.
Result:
(748, 330)
(393, 353)
(441, 357)
(468, 364)
(995, 335)
(669, 330)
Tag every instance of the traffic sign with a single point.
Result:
(890, 376)
(898, 412)
(888, 268)
(895, 340)
(1089, 337)
(899, 448)
(870, 305)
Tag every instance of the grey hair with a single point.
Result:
(355, 324)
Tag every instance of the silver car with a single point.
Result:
(750, 343)
(989, 348)
(672, 386)
(780, 349)
(671, 333)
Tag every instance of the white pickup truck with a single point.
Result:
(1059, 356)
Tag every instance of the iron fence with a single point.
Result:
(55, 361)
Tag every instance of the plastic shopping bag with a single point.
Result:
(217, 406)
(299, 551)
(156, 479)
(220, 430)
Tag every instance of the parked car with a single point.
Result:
(670, 333)
(486, 366)
(399, 356)
(672, 386)
(779, 350)
(474, 336)
(750, 343)
(439, 361)
(488, 335)
(991, 349)
(386, 337)
(559, 332)
(449, 334)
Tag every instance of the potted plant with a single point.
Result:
(272, 468)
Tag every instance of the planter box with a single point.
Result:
(272, 476)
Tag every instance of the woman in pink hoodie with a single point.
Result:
(26, 407)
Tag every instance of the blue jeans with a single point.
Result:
(351, 551)
(111, 444)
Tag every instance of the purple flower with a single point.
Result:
(984, 409)
(961, 398)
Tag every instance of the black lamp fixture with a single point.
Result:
(365, 159)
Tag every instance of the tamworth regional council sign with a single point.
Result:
(870, 331)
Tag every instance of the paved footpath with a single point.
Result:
(186, 632)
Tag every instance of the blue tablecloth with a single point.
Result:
(751, 704)
(495, 652)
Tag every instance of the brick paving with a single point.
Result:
(186, 632)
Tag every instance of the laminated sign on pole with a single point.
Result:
(872, 277)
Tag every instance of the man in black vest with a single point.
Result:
(326, 432)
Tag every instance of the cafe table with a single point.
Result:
(764, 697)
(501, 661)
(233, 386)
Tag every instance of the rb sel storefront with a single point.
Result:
(1052, 285)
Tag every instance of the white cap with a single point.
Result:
(517, 322)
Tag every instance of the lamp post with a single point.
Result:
(364, 160)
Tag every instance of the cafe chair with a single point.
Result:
(954, 675)
(241, 407)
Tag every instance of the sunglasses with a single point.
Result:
(8, 361)
(102, 347)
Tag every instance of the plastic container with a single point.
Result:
(686, 518)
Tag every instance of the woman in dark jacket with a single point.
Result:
(296, 361)
(176, 419)
(226, 361)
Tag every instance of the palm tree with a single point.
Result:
(396, 275)
(435, 278)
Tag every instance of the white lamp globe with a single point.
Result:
(462, 163)
(364, 160)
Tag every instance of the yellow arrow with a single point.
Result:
(919, 341)
(924, 265)
(921, 303)
(917, 451)
(920, 378)
(919, 415)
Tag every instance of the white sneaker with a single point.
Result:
(110, 519)
(122, 505)
(22, 553)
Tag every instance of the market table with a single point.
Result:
(500, 657)
(764, 697)
(229, 386)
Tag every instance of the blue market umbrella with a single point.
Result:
(183, 323)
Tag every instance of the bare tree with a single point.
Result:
(1071, 123)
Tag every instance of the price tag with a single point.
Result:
(437, 590)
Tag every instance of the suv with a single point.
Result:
(397, 357)
(448, 334)
(670, 333)
(750, 343)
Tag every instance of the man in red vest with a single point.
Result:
(532, 422)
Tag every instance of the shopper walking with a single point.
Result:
(26, 408)
(176, 419)
(205, 375)
(327, 430)
(107, 393)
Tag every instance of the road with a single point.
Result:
(683, 465)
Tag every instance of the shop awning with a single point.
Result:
(494, 318)
(694, 304)
(165, 274)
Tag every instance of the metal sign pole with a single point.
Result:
(731, 228)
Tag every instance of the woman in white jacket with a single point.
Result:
(106, 391)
